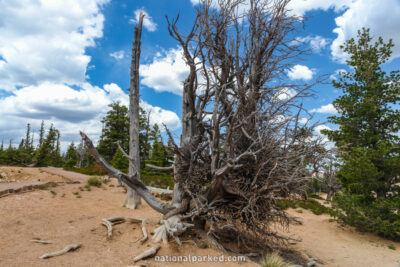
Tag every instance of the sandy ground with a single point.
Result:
(20, 174)
(339, 246)
(65, 217)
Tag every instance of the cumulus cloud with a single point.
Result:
(148, 22)
(328, 109)
(337, 73)
(382, 17)
(303, 120)
(46, 40)
(166, 73)
(285, 94)
(300, 7)
(118, 54)
(321, 127)
(300, 72)
(69, 109)
(317, 43)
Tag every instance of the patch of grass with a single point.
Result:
(299, 211)
(63, 195)
(106, 181)
(273, 260)
(81, 188)
(331, 220)
(316, 196)
(156, 178)
(54, 193)
(47, 185)
(152, 233)
(391, 246)
(309, 204)
(90, 170)
(94, 181)
(76, 193)
(88, 188)
(111, 185)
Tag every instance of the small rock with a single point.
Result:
(311, 263)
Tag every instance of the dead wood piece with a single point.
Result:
(40, 241)
(145, 236)
(150, 252)
(109, 222)
(109, 225)
(68, 248)
(160, 191)
(296, 219)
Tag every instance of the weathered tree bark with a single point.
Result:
(132, 198)
(231, 167)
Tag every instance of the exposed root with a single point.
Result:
(150, 252)
(173, 227)
(109, 222)
(40, 241)
(109, 225)
(211, 241)
(145, 236)
(68, 248)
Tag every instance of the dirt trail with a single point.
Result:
(67, 174)
(339, 246)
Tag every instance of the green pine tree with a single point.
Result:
(71, 156)
(367, 138)
(119, 161)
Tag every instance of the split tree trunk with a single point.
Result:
(132, 198)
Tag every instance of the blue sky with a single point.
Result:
(65, 61)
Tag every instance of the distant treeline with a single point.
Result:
(115, 129)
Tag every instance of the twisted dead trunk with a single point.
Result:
(132, 198)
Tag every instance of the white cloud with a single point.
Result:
(303, 120)
(300, 72)
(317, 43)
(148, 22)
(285, 94)
(382, 17)
(44, 41)
(165, 73)
(70, 110)
(162, 116)
(118, 54)
(321, 127)
(300, 7)
(337, 73)
(328, 109)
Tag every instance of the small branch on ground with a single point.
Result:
(40, 241)
(145, 236)
(150, 252)
(68, 248)
(109, 222)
